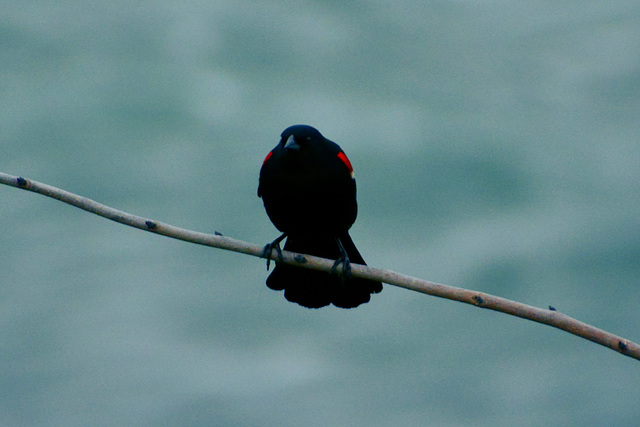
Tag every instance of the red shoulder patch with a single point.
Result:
(268, 157)
(343, 157)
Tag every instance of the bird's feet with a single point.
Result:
(345, 271)
(269, 247)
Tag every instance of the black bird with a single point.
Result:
(309, 192)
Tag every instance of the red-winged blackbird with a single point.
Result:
(309, 192)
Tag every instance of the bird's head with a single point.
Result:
(296, 137)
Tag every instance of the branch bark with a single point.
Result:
(549, 316)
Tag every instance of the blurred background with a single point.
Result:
(495, 146)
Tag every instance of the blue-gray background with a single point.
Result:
(495, 146)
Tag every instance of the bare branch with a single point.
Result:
(549, 317)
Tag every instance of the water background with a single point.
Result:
(496, 147)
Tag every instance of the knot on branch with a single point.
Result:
(623, 346)
(479, 300)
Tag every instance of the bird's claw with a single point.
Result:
(345, 271)
(268, 250)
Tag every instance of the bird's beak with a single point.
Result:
(291, 144)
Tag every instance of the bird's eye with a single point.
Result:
(308, 138)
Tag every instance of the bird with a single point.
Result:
(308, 189)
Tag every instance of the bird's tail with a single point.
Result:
(315, 289)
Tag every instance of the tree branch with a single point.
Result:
(549, 317)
